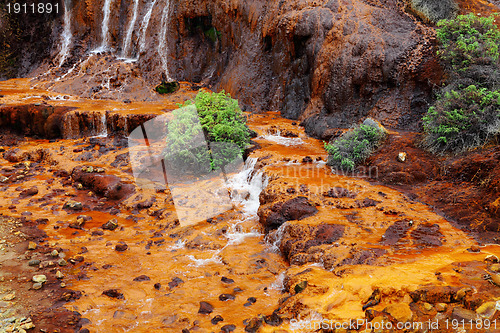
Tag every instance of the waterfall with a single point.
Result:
(144, 28)
(247, 185)
(66, 35)
(102, 127)
(105, 27)
(128, 37)
(162, 44)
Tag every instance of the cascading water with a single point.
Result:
(246, 187)
(144, 28)
(128, 38)
(162, 43)
(66, 35)
(106, 9)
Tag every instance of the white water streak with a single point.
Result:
(162, 43)
(106, 9)
(66, 35)
(130, 30)
(144, 27)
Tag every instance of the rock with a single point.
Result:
(113, 293)
(226, 297)
(73, 205)
(475, 248)
(205, 308)
(297, 208)
(401, 157)
(31, 246)
(339, 192)
(28, 326)
(487, 309)
(37, 286)
(495, 268)
(157, 286)
(307, 159)
(110, 225)
(54, 253)
(109, 186)
(228, 328)
(175, 282)
(59, 275)
(491, 258)
(460, 314)
(273, 320)
(29, 192)
(400, 312)
(9, 297)
(227, 280)
(62, 262)
(142, 278)
(215, 320)
(253, 325)
(34, 262)
(427, 307)
(440, 307)
(299, 287)
(121, 247)
(39, 278)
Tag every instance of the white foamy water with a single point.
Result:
(144, 27)
(106, 9)
(246, 187)
(162, 43)
(66, 35)
(128, 38)
(281, 140)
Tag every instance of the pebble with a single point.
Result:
(440, 307)
(402, 157)
(62, 262)
(31, 246)
(59, 275)
(205, 308)
(54, 253)
(121, 247)
(37, 286)
(39, 278)
(110, 225)
(34, 262)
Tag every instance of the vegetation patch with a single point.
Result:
(167, 87)
(467, 112)
(356, 145)
(206, 134)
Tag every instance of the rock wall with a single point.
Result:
(328, 63)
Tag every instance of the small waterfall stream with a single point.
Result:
(144, 27)
(128, 38)
(66, 35)
(106, 9)
(162, 43)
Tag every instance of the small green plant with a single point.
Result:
(213, 118)
(462, 119)
(354, 146)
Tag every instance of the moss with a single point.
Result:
(167, 87)
(433, 10)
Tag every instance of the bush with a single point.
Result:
(462, 119)
(468, 40)
(354, 146)
(466, 113)
(434, 10)
(214, 118)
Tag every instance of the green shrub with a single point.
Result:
(466, 113)
(462, 119)
(468, 40)
(213, 118)
(354, 146)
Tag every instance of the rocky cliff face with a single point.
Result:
(327, 63)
